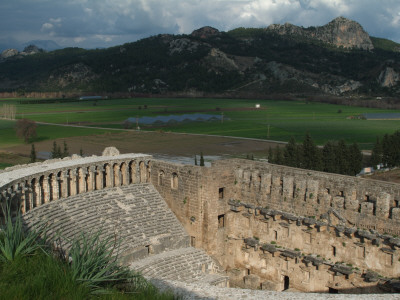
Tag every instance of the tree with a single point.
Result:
(65, 152)
(290, 154)
(270, 155)
(376, 154)
(342, 158)
(33, 154)
(329, 158)
(26, 129)
(56, 151)
(354, 160)
(278, 156)
(310, 155)
(201, 159)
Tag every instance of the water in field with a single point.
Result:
(208, 159)
(171, 119)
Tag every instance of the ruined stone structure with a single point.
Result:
(266, 226)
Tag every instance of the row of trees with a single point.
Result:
(387, 151)
(334, 157)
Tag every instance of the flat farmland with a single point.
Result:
(275, 120)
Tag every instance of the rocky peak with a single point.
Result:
(9, 53)
(205, 32)
(340, 32)
(32, 49)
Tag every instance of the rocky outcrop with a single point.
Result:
(340, 32)
(72, 75)
(9, 53)
(219, 60)
(205, 32)
(388, 77)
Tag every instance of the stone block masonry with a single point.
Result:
(269, 226)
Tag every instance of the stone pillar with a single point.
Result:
(82, 181)
(383, 205)
(55, 187)
(37, 194)
(64, 184)
(117, 175)
(23, 198)
(46, 189)
(72, 182)
(124, 174)
(132, 171)
(91, 184)
(100, 178)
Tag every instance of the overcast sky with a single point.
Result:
(104, 23)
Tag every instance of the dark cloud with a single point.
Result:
(103, 23)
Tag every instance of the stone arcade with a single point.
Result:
(238, 223)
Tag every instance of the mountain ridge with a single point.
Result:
(338, 58)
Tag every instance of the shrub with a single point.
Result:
(15, 242)
(94, 263)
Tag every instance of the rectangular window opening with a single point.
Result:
(221, 193)
(221, 221)
(193, 241)
(334, 250)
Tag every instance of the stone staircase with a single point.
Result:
(185, 264)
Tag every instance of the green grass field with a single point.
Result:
(283, 118)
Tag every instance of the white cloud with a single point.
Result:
(47, 26)
(92, 22)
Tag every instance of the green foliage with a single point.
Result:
(94, 263)
(33, 154)
(391, 149)
(39, 276)
(15, 242)
(26, 129)
(385, 44)
(376, 154)
(201, 159)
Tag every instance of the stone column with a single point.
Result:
(124, 174)
(64, 184)
(37, 194)
(91, 178)
(46, 189)
(100, 178)
(82, 181)
(117, 175)
(23, 198)
(72, 182)
(55, 187)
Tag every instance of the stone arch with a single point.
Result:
(174, 181)
(124, 174)
(142, 172)
(161, 175)
(132, 171)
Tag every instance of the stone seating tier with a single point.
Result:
(136, 214)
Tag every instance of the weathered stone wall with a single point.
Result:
(364, 203)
